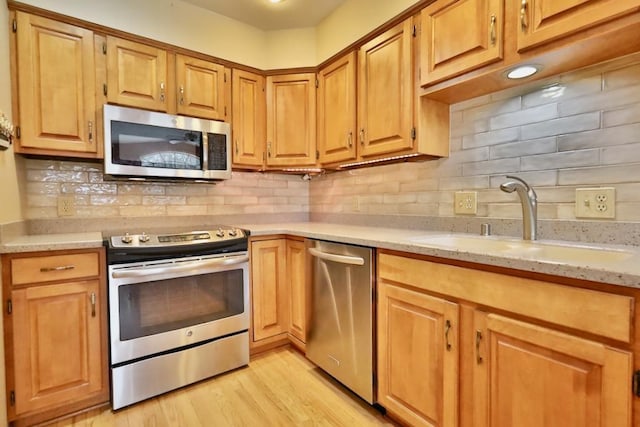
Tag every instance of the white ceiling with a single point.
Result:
(269, 16)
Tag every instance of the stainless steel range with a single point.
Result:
(179, 309)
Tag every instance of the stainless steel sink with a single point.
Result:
(536, 250)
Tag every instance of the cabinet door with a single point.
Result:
(56, 87)
(136, 75)
(291, 120)
(542, 21)
(297, 277)
(337, 110)
(57, 344)
(530, 376)
(269, 288)
(249, 118)
(445, 52)
(201, 88)
(417, 356)
(386, 92)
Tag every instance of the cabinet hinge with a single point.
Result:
(104, 48)
(18, 132)
(415, 31)
(225, 77)
(317, 83)
(12, 398)
(635, 384)
(14, 26)
(105, 89)
(9, 307)
(317, 154)
(225, 111)
(264, 157)
(413, 133)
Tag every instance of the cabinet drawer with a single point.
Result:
(56, 267)
(600, 313)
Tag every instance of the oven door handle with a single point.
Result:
(179, 268)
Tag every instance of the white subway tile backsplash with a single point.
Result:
(524, 148)
(582, 131)
(566, 159)
(523, 117)
(600, 138)
(563, 125)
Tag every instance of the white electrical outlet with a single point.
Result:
(465, 202)
(596, 202)
(66, 205)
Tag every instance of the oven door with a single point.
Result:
(165, 305)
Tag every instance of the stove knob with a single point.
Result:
(127, 238)
(220, 233)
(144, 237)
(233, 232)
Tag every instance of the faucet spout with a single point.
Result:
(529, 202)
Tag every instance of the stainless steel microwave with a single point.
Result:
(140, 143)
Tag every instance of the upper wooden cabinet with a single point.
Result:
(445, 52)
(248, 119)
(151, 78)
(386, 92)
(55, 79)
(201, 88)
(542, 21)
(137, 74)
(291, 120)
(337, 95)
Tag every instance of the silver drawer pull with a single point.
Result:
(60, 268)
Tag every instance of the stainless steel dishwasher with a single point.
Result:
(340, 339)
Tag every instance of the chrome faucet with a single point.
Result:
(529, 202)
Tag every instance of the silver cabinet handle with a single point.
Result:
(162, 91)
(268, 149)
(478, 341)
(59, 268)
(90, 131)
(350, 139)
(362, 137)
(524, 21)
(93, 304)
(493, 30)
(341, 259)
(181, 95)
(185, 266)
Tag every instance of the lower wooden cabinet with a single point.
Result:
(417, 356)
(460, 346)
(55, 333)
(278, 292)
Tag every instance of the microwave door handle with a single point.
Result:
(182, 267)
(341, 259)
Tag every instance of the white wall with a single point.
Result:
(353, 20)
(10, 206)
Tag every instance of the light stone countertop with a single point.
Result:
(50, 242)
(624, 272)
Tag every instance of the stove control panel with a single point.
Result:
(220, 234)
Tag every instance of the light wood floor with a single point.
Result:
(279, 388)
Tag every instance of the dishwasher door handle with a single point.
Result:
(341, 259)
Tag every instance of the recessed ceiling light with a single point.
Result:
(275, 1)
(522, 71)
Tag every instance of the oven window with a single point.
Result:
(154, 307)
(154, 146)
